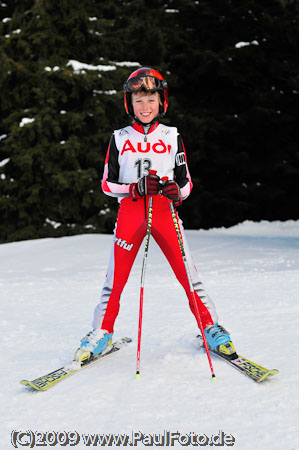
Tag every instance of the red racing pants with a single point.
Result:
(130, 230)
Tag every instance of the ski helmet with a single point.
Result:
(147, 80)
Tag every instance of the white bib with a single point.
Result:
(139, 153)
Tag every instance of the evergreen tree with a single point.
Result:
(232, 69)
(236, 90)
(58, 119)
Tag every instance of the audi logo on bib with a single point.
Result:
(145, 147)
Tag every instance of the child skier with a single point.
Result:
(138, 157)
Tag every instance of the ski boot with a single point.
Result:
(219, 341)
(95, 342)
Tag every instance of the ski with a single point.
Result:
(252, 370)
(50, 379)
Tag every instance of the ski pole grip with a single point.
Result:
(162, 183)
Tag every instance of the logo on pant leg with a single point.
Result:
(123, 243)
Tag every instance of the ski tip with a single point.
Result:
(137, 375)
(214, 377)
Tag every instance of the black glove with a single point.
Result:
(148, 185)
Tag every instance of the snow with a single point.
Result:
(127, 64)
(109, 92)
(53, 223)
(79, 66)
(263, 228)
(25, 121)
(245, 44)
(4, 162)
(49, 288)
(50, 69)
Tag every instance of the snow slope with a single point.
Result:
(49, 288)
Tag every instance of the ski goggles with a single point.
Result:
(144, 83)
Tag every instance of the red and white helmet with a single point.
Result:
(148, 80)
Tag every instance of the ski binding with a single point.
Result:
(50, 379)
(251, 369)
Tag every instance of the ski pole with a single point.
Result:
(147, 238)
(181, 245)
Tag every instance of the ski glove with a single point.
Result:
(147, 185)
(172, 191)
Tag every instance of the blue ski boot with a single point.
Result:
(219, 341)
(95, 342)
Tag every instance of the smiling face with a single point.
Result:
(146, 105)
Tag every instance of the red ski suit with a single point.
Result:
(131, 154)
